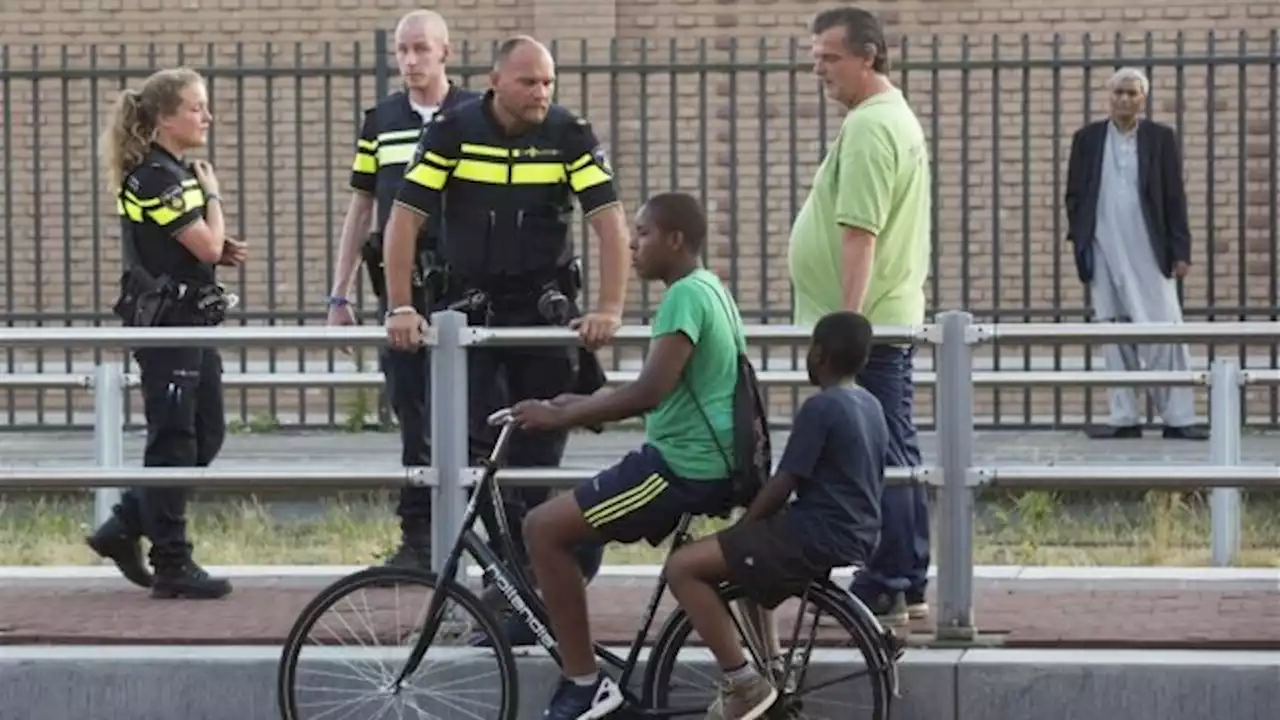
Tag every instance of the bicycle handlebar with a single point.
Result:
(500, 417)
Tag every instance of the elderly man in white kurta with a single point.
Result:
(1127, 217)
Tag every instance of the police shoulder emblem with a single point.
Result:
(174, 200)
(602, 159)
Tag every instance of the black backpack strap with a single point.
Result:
(741, 350)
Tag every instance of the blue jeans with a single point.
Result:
(901, 560)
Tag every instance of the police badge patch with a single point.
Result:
(602, 159)
(174, 200)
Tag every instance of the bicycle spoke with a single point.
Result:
(357, 645)
(812, 669)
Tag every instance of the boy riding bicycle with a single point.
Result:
(834, 463)
(685, 388)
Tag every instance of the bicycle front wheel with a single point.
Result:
(834, 671)
(350, 643)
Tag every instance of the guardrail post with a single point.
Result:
(108, 434)
(1224, 449)
(955, 453)
(448, 432)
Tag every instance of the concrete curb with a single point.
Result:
(1024, 576)
(215, 683)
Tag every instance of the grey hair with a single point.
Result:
(1124, 74)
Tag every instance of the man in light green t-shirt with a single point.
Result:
(862, 243)
(685, 389)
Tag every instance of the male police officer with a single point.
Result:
(502, 173)
(391, 131)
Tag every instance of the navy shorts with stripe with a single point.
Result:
(640, 498)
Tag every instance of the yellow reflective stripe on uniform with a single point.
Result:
(431, 172)
(396, 147)
(537, 174)
(396, 154)
(133, 207)
(432, 178)
(152, 202)
(129, 210)
(364, 163)
(369, 146)
(480, 171)
(485, 150)
(492, 173)
(625, 502)
(577, 164)
(585, 173)
(438, 159)
(397, 136)
(192, 199)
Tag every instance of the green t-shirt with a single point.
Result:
(699, 306)
(876, 177)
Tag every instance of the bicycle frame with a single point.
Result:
(514, 584)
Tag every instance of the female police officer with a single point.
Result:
(173, 236)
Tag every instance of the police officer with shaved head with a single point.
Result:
(502, 173)
(385, 148)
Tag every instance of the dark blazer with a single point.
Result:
(1164, 198)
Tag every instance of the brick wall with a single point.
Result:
(976, 120)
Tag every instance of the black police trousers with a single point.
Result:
(408, 388)
(186, 425)
(501, 377)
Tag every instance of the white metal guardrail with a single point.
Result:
(449, 336)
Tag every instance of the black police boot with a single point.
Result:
(116, 543)
(415, 545)
(178, 577)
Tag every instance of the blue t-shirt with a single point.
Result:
(837, 451)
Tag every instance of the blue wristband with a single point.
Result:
(338, 301)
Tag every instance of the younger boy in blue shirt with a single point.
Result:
(834, 462)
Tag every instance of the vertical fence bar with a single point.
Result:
(300, 219)
(997, 122)
(95, 232)
(1027, 245)
(734, 201)
(108, 433)
(1210, 187)
(1055, 105)
(1242, 195)
(1088, 350)
(242, 217)
(1224, 449)
(68, 303)
(449, 418)
(1273, 271)
(10, 299)
(966, 267)
(955, 451)
(268, 61)
(37, 235)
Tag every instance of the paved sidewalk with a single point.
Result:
(59, 449)
(258, 614)
(1017, 614)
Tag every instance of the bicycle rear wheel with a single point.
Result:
(822, 680)
(354, 616)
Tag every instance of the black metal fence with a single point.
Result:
(741, 124)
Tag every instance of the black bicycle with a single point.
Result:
(678, 679)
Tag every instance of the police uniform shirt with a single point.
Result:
(157, 201)
(387, 141)
(510, 198)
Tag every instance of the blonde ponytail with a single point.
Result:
(127, 138)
